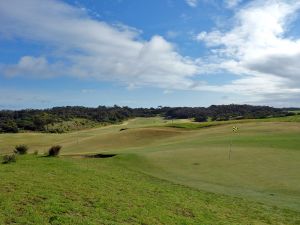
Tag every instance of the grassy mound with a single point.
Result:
(130, 138)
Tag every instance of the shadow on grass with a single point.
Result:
(101, 156)
(95, 156)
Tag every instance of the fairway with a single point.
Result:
(263, 166)
(95, 140)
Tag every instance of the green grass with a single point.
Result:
(264, 163)
(162, 174)
(42, 190)
(295, 111)
(195, 125)
(94, 139)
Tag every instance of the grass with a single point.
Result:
(161, 175)
(71, 125)
(264, 163)
(195, 125)
(41, 190)
(91, 140)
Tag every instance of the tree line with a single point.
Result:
(38, 119)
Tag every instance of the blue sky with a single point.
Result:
(149, 53)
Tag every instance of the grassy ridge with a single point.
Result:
(91, 140)
(39, 190)
(195, 125)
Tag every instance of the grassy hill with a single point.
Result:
(161, 175)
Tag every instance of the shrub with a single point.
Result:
(36, 152)
(54, 150)
(21, 149)
(9, 126)
(9, 159)
(200, 118)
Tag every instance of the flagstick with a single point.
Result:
(235, 130)
(230, 149)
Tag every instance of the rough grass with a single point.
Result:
(41, 190)
(264, 167)
(72, 125)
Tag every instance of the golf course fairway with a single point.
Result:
(160, 175)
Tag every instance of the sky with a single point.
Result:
(143, 53)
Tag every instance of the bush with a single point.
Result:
(36, 152)
(8, 126)
(54, 150)
(9, 159)
(21, 149)
(200, 118)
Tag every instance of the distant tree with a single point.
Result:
(201, 118)
(26, 124)
(9, 126)
(42, 120)
(38, 120)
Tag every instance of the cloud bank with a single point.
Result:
(256, 47)
(84, 47)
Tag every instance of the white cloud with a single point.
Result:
(84, 47)
(34, 66)
(232, 3)
(192, 3)
(258, 49)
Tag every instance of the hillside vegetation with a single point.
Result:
(62, 119)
